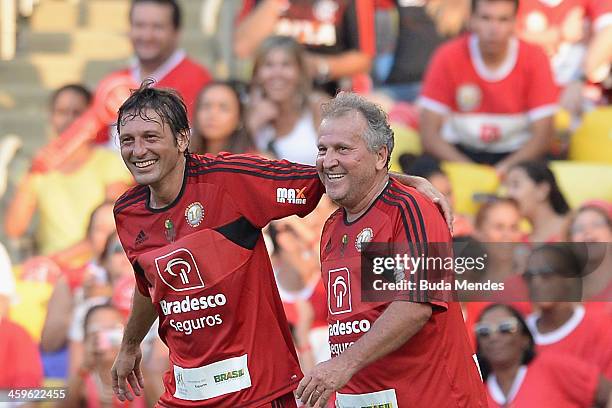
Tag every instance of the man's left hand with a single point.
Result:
(324, 379)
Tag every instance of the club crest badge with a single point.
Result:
(363, 237)
(194, 214)
(469, 97)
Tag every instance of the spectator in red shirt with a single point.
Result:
(21, 364)
(488, 97)
(576, 35)
(516, 376)
(155, 27)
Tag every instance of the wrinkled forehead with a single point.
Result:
(347, 125)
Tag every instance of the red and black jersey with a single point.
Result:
(326, 26)
(203, 262)
(436, 367)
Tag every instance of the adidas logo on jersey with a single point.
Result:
(141, 238)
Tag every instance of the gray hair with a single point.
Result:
(378, 132)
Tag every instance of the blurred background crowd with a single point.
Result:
(505, 108)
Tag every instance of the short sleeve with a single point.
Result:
(438, 90)
(600, 13)
(266, 190)
(542, 92)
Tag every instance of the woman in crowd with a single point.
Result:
(532, 184)
(284, 112)
(517, 376)
(218, 120)
(592, 223)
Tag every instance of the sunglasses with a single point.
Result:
(545, 273)
(485, 330)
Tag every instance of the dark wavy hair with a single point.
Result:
(173, 4)
(528, 355)
(167, 103)
(539, 172)
(475, 3)
(240, 140)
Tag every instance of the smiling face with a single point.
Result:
(279, 75)
(347, 168)
(152, 32)
(526, 192)
(150, 150)
(591, 225)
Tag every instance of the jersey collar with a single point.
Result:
(504, 69)
(562, 332)
(163, 70)
(496, 392)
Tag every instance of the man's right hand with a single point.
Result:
(127, 367)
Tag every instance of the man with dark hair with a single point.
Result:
(488, 97)
(192, 231)
(407, 349)
(154, 34)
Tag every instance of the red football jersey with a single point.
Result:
(460, 85)
(203, 262)
(436, 367)
(548, 381)
(559, 26)
(587, 335)
(22, 367)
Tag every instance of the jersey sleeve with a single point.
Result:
(421, 233)
(266, 190)
(438, 89)
(600, 13)
(542, 94)
(125, 237)
(575, 378)
(359, 26)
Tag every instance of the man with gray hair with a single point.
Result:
(406, 349)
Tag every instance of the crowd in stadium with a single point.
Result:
(503, 105)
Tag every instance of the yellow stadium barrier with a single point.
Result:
(406, 141)
(580, 181)
(468, 180)
(592, 141)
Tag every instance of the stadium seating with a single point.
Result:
(469, 181)
(592, 141)
(406, 141)
(581, 181)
